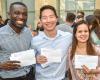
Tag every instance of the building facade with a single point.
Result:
(62, 7)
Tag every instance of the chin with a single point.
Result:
(20, 27)
(83, 41)
(50, 29)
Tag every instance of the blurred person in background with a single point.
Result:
(6, 21)
(93, 23)
(97, 28)
(1, 22)
(79, 16)
(39, 26)
(66, 27)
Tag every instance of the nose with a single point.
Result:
(48, 19)
(83, 33)
(20, 16)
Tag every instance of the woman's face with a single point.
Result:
(82, 33)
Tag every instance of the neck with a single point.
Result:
(81, 49)
(51, 34)
(81, 45)
(16, 29)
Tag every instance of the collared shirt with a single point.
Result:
(11, 42)
(65, 27)
(95, 38)
(55, 71)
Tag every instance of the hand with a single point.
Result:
(9, 65)
(41, 59)
(82, 78)
(86, 70)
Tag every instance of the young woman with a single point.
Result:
(81, 45)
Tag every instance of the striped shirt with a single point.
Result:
(11, 42)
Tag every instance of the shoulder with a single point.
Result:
(61, 25)
(27, 29)
(4, 29)
(65, 33)
(38, 37)
(65, 37)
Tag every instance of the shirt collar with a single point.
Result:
(12, 31)
(59, 33)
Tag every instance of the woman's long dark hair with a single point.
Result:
(89, 48)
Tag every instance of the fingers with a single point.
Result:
(41, 59)
(85, 69)
(13, 61)
(10, 65)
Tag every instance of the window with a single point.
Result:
(74, 5)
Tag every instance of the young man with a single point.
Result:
(14, 37)
(51, 40)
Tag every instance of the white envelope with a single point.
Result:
(53, 55)
(25, 57)
(90, 61)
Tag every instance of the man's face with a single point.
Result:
(18, 16)
(48, 20)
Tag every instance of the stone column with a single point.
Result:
(97, 4)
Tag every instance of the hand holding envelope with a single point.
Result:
(90, 61)
(40, 59)
(9, 65)
(89, 66)
(52, 55)
(25, 57)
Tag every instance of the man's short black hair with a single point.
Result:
(70, 17)
(47, 7)
(17, 3)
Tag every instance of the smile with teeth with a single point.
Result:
(83, 37)
(19, 22)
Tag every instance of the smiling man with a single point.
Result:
(52, 40)
(15, 37)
